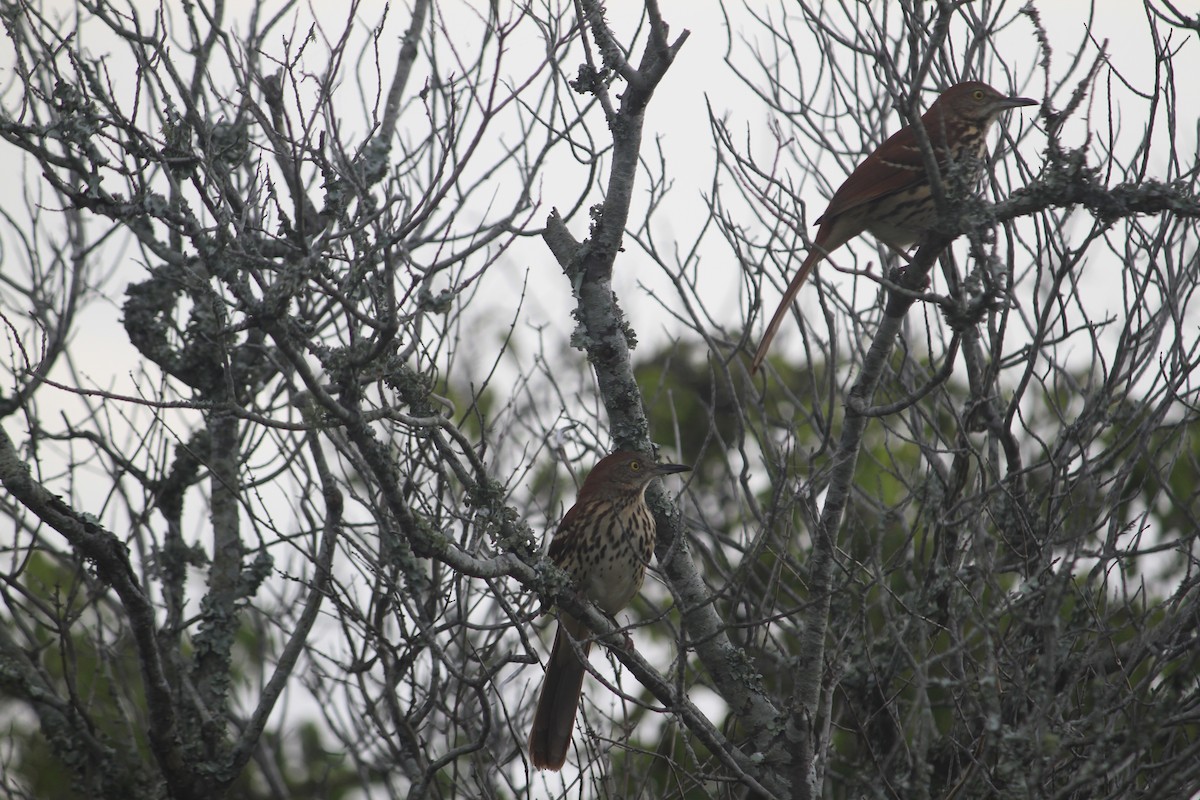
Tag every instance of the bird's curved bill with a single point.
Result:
(1017, 102)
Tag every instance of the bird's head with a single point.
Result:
(977, 102)
(626, 471)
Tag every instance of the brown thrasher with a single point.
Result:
(889, 193)
(604, 543)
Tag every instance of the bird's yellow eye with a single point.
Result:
(977, 94)
(635, 465)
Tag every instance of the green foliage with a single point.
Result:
(925, 626)
(84, 656)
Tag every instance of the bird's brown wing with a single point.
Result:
(897, 165)
(575, 518)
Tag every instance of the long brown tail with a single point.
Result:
(554, 719)
(814, 255)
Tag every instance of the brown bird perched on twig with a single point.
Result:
(890, 195)
(604, 543)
